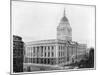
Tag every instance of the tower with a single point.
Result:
(64, 31)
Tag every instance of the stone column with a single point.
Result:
(46, 55)
(57, 53)
(50, 54)
(43, 51)
(46, 51)
(36, 54)
(43, 55)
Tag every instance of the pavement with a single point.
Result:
(43, 67)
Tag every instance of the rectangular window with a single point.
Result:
(34, 51)
(52, 47)
(48, 54)
(45, 48)
(42, 49)
(48, 48)
(41, 53)
(45, 54)
(59, 54)
(59, 47)
(52, 54)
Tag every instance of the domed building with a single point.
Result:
(54, 52)
(64, 31)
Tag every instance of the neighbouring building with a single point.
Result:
(18, 48)
(54, 52)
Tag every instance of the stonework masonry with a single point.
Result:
(58, 51)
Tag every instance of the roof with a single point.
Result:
(64, 19)
(45, 41)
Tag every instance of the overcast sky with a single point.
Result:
(38, 21)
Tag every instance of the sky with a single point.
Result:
(38, 21)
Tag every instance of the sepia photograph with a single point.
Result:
(48, 37)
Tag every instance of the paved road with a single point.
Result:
(39, 67)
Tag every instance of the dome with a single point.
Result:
(64, 19)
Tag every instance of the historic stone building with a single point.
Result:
(18, 48)
(54, 52)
